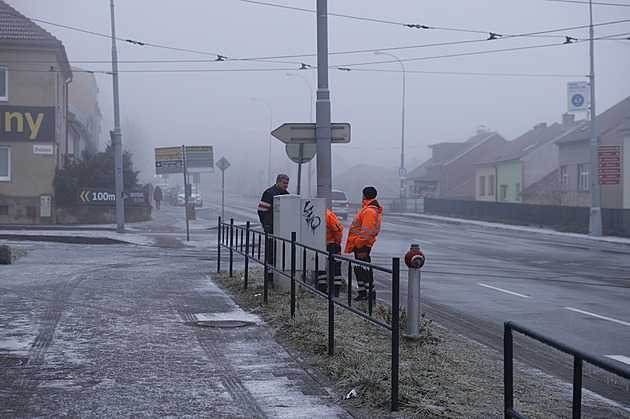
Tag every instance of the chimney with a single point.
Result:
(568, 121)
(482, 129)
(540, 125)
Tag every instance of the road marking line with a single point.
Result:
(502, 290)
(620, 358)
(598, 316)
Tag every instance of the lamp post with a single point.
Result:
(270, 122)
(116, 135)
(595, 217)
(310, 90)
(299, 182)
(402, 135)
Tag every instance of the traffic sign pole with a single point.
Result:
(223, 164)
(185, 191)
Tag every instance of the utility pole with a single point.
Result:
(323, 132)
(116, 135)
(595, 218)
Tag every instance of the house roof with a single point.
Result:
(540, 135)
(617, 115)
(472, 143)
(18, 30)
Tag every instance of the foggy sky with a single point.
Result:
(176, 93)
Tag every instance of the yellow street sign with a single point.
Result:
(164, 157)
(199, 149)
(168, 150)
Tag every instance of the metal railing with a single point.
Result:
(250, 244)
(579, 358)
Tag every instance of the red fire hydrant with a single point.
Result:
(414, 259)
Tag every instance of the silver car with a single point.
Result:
(340, 205)
(195, 196)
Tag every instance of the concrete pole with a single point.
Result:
(323, 132)
(595, 218)
(116, 135)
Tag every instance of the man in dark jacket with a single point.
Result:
(265, 214)
(265, 207)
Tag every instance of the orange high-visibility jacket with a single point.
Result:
(365, 226)
(334, 229)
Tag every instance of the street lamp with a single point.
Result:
(299, 182)
(310, 90)
(402, 135)
(270, 121)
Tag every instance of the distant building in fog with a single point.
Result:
(450, 172)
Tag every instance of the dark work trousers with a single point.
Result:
(322, 277)
(363, 274)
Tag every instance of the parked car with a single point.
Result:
(340, 205)
(194, 197)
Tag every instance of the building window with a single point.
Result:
(584, 178)
(491, 185)
(482, 185)
(564, 178)
(5, 164)
(503, 192)
(518, 191)
(4, 83)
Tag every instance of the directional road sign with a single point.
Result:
(168, 160)
(199, 159)
(107, 196)
(296, 133)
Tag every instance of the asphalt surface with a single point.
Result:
(137, 328)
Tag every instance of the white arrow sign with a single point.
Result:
(304, 133)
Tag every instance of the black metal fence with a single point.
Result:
(579, 358)
(254, 244)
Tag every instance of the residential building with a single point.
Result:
(575, 171)
(34, 77)
(84, 120)
(450, 172)
(505, 172)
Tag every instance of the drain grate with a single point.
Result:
(223, 323)
(9, 361)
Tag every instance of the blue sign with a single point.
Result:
(577, 95)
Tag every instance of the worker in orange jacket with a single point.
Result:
(334, 236)
(363, 231)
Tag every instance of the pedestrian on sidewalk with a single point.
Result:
(157, 195)
(363, 231)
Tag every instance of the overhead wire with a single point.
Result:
(276, 59)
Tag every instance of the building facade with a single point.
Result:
(34, 75)
(613, 160)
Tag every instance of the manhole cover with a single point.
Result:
(223, 323)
